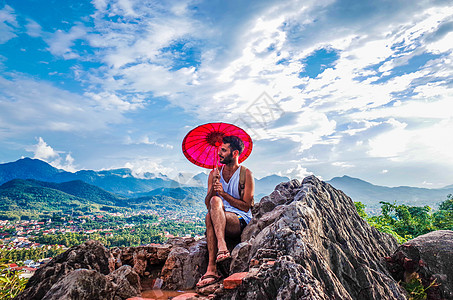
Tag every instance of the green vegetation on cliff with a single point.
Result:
(406, 222)
(11, 284)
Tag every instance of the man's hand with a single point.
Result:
(218, 188)
(215, 175)
(213, 179)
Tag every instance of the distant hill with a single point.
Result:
(266, 185)
(263, 186)
(118, 181)
(26, 197)
(370, 194)
(20, 196)
(32, 185)
(28, 168)
(100, 184)
(171, 199)
(122, 183)
(86, 191)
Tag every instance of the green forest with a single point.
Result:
(406, 222)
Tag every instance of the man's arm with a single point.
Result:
(245, 203)
(211, 193)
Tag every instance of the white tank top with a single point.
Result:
(232, 188)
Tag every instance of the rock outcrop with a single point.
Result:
(145, 260)
(126, 282)
(185, 264)
(91, 271)
(91, 255)
(81, 284)
(428, 258)
(122, 283)
(305, 241)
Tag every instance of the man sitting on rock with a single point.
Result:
(228, 206)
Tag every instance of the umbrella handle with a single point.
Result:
(216, 166)
(217, 157)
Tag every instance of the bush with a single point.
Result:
(407, 222)
(11, 284)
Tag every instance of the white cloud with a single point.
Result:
(8, 24)
(343, 164)
(147, 141)
(38, 106)
(390, 143)
(33, 28)
(60, 42)
(124, 7)
(307, 129)
(46, 153)
(140, 167)
(441, 45)
(358, 126)
(66, 163)
(424, 107)
(43, 151)
(141, 34)
(113, 102)
(297, 172)
(433, 143)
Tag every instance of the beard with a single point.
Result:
(227, 160)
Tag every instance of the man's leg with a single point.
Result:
(233, 226)
(217, 220)
(212, 245)
(212, 251)
(224, 223)
(211, 239)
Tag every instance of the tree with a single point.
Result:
(407, 222)
(443, 218)
(383, 222)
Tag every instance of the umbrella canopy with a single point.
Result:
(201, 144)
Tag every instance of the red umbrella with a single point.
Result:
(201, 144)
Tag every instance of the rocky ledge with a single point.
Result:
(305, 241)
(428, 258)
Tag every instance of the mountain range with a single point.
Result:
(30, 197)
(119, 187)
(370, 194)
(118, 181)
(31, 185)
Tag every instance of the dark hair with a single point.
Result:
(235, 143)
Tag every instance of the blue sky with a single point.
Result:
(362, 88)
